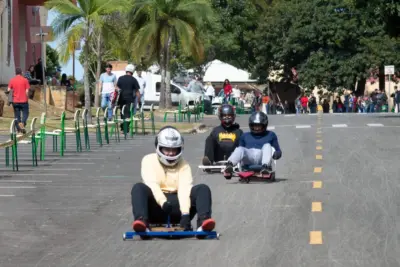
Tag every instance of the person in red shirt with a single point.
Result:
(227, 90)
(304, 103)
(20, 89)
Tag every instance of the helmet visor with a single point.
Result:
(227, 119)
(257, 128)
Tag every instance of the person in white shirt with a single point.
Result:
(236, 93)
(107, 87)
(142, 84)
(210, 91)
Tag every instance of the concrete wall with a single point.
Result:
(22, 52)
(56, 96)
(7, 69)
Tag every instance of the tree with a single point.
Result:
(156, 24)
(52, 63)
(80, 21)
(327, 45)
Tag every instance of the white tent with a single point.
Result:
(218, 71)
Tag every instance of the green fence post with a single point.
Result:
(33, 142)
(105, 119)
(98, 128)
(14, 147)
(124, 124)
(85, 128)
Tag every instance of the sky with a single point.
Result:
(68, 67)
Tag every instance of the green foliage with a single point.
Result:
(230, 35)
(330, 44)
(156, 25)
(52, 63)
(82, 19)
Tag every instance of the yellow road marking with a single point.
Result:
(319, 141)
(317, 184)
(317, 169)
(318, 156)
(315, 238)
(319, 132)
(319, 147)
(316, 207)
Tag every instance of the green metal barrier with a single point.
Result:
(41, 136)
(14, 147)
(115, 126)
(141, 116)
(86, 128)
(99, 139)
(33, 142)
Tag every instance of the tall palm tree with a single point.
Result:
(77, 22)
(158, 23)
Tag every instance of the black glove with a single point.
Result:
(277, 155)
(185, 223)
(167, 207)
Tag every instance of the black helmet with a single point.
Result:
(258, 122)
(226, 115)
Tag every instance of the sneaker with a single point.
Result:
(207, 225)
(139, 226)
(228, 170)
(206, 161)
(266, 169)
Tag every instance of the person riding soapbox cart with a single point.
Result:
(245, 173)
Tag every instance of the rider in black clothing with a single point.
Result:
(223, 139)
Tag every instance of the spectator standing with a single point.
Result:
(397, 99)
(210, 91)
(39, 71)
(128, 93)
(304, 103)
(107, 87)
(142, 84)
(227, 90)
(20, 90)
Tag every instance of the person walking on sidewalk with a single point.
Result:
(128, 93)
(107, 85)
(19, 88)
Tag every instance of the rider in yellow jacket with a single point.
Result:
(167, 188)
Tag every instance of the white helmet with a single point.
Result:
(170, 137)
(130, 68)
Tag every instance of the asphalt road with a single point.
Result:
(336, 203)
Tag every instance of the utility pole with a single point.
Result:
(42, 35)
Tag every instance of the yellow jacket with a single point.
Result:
(162, 179)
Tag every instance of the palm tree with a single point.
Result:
(158, 23)
(77, 22)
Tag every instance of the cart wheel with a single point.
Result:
(247, 180)
(273, 177)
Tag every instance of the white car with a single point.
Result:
(185, 96)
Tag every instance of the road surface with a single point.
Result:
(336, 203)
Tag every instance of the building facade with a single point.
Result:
(16, 47)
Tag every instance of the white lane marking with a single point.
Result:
(290, 115)
(7, 195)
(339, 125)
(73, 163)
(271, 128)
(302, 126)
(17, 187)
(375, 124)
(66, 169)
(35, 174)
(24, 181)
